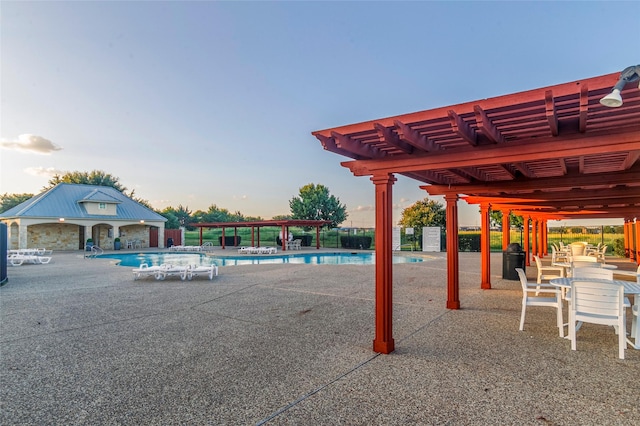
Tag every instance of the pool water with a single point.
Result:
(135, 259)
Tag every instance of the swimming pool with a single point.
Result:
(135, 259)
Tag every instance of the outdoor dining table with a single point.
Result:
(630, 289)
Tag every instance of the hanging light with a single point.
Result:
(629, 74)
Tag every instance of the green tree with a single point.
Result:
(315, 203)
(495, 219)
(94, 177)
(177, 217)
(423, 213)
(9, 201)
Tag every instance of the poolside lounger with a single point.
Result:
(15, 260)
(246, 250)
(144, 271)
(169, 270)
(195, 270)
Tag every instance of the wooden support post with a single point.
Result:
(506, 229)
(534, 236)
(383, 341)
(485, 247)
(453, 301)
(527, 252)
(626, 238)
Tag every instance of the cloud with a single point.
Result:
(41, 171)
(368, 208)
(31, 143)
(240, 197)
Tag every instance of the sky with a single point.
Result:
(202, 103)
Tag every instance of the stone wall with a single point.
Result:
(53, 236)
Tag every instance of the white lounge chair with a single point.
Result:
(195, 270)
(169, 270)
(265, 250)
(247, 250)
(15, 260)
(145, 271)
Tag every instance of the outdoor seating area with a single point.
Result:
(294, 245)
(591, 295)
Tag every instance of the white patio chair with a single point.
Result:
(577, 249)
(546, 273)
(593, 272)
(552, 299)
(598, 303)
(558, 256)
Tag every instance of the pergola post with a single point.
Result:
(637, 241)
(223, 239)
(453, 300)
(506, 230)
(627, 238)
(485, 247)
(383, 341)
(527, 252)
(633, 246)
(534, 236)
(317, 237)
(545, 237)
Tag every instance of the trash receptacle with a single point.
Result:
(512, 258)
(169, 242)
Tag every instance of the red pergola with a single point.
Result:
(283, 224)
(545, 154)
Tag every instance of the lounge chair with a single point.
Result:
(144, 271)
(169, 270)
(247, 250)
(15, 260)
(195, 270)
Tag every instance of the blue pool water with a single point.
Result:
(135, 259)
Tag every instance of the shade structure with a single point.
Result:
(550, 153)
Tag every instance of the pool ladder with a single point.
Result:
(95, 251)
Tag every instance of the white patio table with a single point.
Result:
(630, 289)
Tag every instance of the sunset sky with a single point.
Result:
(200, 103)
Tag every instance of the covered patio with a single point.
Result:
(546, 154)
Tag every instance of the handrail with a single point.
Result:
(95, 251)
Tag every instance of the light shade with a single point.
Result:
(613, 99)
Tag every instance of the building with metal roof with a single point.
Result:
(67, 215)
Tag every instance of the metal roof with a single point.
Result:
(554, 151)
(65, 200)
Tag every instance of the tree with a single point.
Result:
(423, 213)
(9, 201)
(495, 219)
(94, 177)
(315, 203)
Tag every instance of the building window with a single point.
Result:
(102, 206)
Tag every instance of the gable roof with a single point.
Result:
(65, 200)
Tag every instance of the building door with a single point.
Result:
(153, 236)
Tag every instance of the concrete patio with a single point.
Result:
(83, 343)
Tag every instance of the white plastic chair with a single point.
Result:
(546, 273)
(598, 303)
(530, 297)
(558, 256)
(593, 272)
